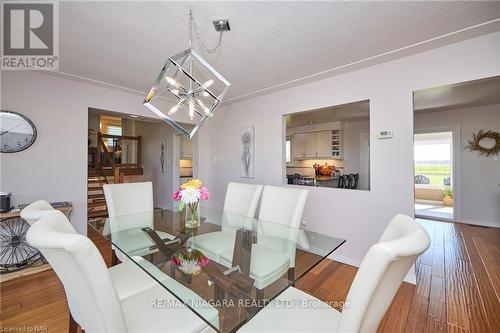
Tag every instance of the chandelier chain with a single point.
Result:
(194, 31)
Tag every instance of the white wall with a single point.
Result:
(55, 167)
(479, 176)
(358, 216)
(152, 134)
(352, 144)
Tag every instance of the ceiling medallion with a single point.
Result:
(187, 83)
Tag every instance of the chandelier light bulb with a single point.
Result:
(208, 83)
(171, 81)
(200, 103)
(191, 108)
(174, 109)
(175, 91)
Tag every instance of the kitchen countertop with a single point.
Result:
(322, 178)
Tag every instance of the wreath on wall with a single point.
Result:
(475, 143)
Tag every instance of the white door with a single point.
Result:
(436, 173)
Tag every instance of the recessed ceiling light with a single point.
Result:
(133, 116)
(310, 122)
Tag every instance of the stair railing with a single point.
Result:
(109, 159)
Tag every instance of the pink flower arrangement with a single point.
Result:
(189, 194)
(190, 263)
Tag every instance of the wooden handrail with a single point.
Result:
(120, 137)
(102, 148)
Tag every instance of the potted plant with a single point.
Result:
(447, 196)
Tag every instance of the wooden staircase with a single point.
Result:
(96, 203)
(105, 161)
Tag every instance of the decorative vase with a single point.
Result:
(192, 216)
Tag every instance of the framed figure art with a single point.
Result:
(247, 152)
(163, 153)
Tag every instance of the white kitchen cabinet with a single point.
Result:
(298, 146)
(310, 145)
(324, 144)
(313, 145)
(186, 148)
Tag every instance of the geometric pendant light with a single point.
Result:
(186, 84)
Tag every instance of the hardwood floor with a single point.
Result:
(457, 290)
(458, 283)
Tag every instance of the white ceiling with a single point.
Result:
(126, 43)
(351, 111)
(460, 95)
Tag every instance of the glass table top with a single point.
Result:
(227, 269)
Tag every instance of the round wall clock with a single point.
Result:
(17, 132)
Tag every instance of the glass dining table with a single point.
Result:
(224, 271)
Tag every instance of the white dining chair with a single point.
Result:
(127, 278)
(125, 202)
(242, 199)
(274, 253)
(35, 211)
(378, 278)
(94, 293)
(128, 198)
(240, 205)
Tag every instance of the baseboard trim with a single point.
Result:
(479, 223)
(410, 276)
(345, 260)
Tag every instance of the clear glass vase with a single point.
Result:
(192, 216)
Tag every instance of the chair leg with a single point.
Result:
(73, 325)
(259, 294)
(114, 258)
(291, 275)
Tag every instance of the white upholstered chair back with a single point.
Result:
(381, 273)
(128, 198)
(282, 205)
(81, 269)
(242, 199)
(35, 211)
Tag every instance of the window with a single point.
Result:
(113, 130)
(288, 150)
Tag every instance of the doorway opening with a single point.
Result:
(434, 183)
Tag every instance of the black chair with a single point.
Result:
(342, 181)
(355, 181)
